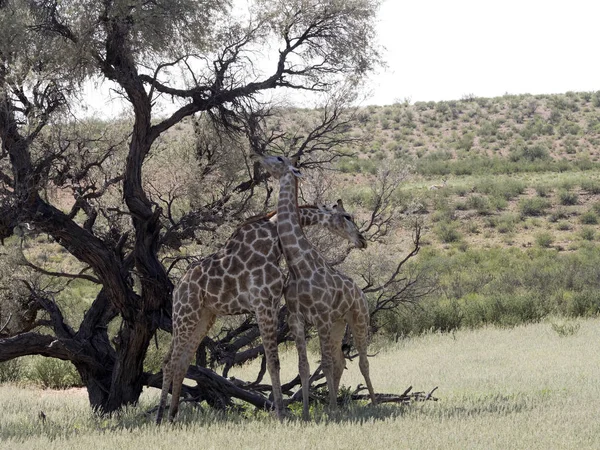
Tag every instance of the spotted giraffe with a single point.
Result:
(316, 293)
(244, 276)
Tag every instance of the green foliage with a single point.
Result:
(589, 218)
(507, 188)
(479, 203)
(567, 198)
(565, 328)
(591, 186)
(448, 233)
(11, 371)
(506, 287)
(529, 153)
(544, 239)
(558, 214)
(54, 373)
(507, 223)
(535, 206)
(465, 142)
(543, 190)
(587, 234)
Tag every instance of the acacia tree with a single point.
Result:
(200, 54)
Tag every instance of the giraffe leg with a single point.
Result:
(327, 364)
(360, 334)
(166, 384)
(267, 324)
(297, 328)
(184, 346)
(339, 361)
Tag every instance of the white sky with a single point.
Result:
(445, 49)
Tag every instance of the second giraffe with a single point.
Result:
(316, 293)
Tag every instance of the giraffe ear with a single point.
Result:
(340, 206)
(296, 172)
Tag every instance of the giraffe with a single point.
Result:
(316, 293)
(244, 276)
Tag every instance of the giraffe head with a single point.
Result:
(278, 165)
(342, 224)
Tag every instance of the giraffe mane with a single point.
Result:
(269, 216)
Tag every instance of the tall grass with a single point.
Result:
(526, 387)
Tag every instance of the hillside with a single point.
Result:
(509, 171)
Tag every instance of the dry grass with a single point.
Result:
(527, 387)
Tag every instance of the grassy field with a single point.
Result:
(526, 387)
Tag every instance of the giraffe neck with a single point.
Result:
(292, 238)
(311, 215)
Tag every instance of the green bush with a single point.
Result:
(54, 373)
(544, 239)
(507, 223)
(504, 287)
(535, 206)
(589, 218)
(448, 233)
(587, 234)
(543, 190)
(565, 328)
(558, 214)
(506, 188)
(479, 203)
(11, 371)
(581, 304)
(530, 153)
(567, 198)
(498, 203)
(591, 186)
(563, 226)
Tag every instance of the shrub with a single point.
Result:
(543, 190)
(535, 206)
(54, 373)
(587, 234)
(557, 215)
(506, 188)
(591, 186)
(507, 223)
(10, 371)
(498, 203)
(589, 218)
(465, 142)
(479, 203)
(581, 304)
(448, 233)
(567, 198)
(529, 153)
(544, 240)
(565, 328)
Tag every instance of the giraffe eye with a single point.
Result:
(280, 159)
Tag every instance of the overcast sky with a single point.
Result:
(445, 49)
